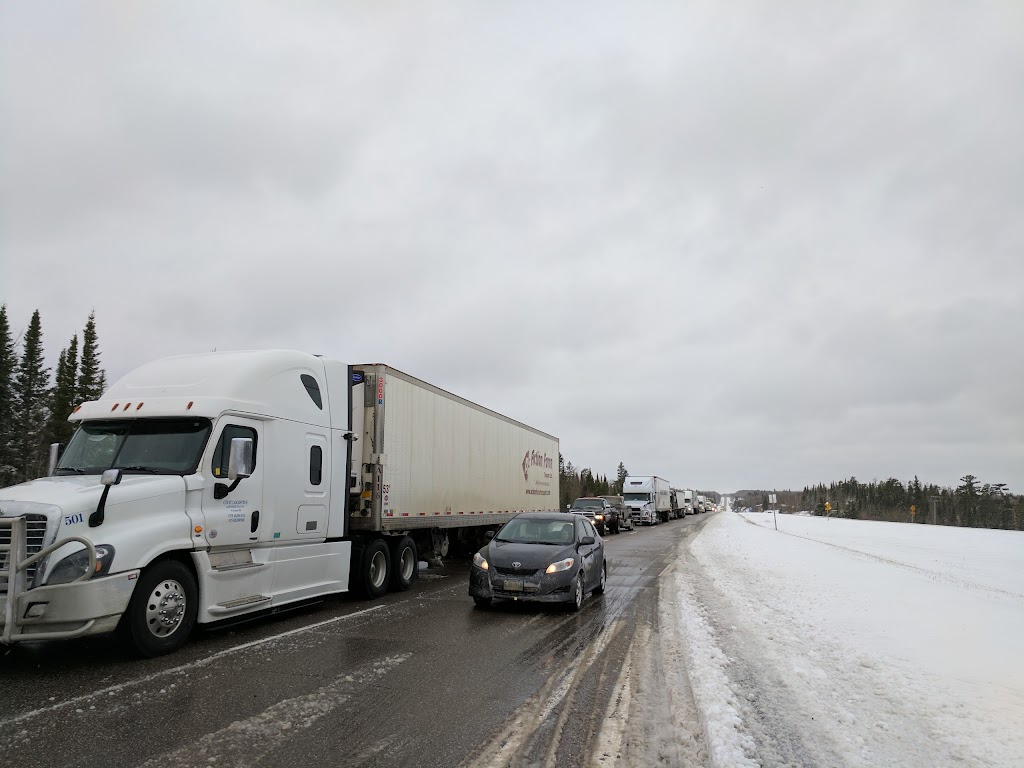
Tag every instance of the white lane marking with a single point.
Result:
(181, 668)
(246, 741)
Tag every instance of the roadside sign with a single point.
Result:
(828, 507)
(772, 498)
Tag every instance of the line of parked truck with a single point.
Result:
(652, 500)
(646, 500)
(204, 488)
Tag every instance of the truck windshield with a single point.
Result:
(587, 503)
(637, 497)
(153, 446)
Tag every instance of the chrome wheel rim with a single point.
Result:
(579, 592)
(408, 563)
(378, 568)
(165, 609)
(604, 577)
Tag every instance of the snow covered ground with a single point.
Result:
(854, 643)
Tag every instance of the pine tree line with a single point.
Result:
(575, 482)
(34, 409)
(970, 505)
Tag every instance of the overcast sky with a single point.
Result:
(732, 244)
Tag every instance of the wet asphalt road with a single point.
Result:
(417, 678)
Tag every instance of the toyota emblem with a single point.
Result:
(516, 565)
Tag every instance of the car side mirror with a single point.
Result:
(587, 540)
(488, 535)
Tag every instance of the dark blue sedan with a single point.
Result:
(547, 557)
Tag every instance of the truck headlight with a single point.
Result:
(599, 517)
(561, 565)
(77, 563)
(479, 562)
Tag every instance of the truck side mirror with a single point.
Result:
(54, 456)
(240, 458)
(107, 479)
(240, 466)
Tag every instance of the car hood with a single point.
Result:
(502, 554)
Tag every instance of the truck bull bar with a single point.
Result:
(14, 562)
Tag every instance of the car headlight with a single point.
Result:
(561, 565)
(479, 562)
(76, 565)
(599, 517)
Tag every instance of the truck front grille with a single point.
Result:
(35, 537)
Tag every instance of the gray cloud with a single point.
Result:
(743, 245)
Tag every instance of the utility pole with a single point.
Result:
(934, 501)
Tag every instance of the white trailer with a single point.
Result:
(207, 487)
(648, 498)
(702, 504)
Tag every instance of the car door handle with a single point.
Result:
(254, 521)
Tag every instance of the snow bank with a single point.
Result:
(728, 745)
(879, 643)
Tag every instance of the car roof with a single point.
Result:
(541, 515)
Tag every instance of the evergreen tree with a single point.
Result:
(8, 368)
(62, 401)
(91, 378)
(622, 474)
(967, 501)
(30, 401)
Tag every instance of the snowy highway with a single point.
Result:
(719, 642)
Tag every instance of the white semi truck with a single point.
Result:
(649, 499)
(689, 501)
(207, 487)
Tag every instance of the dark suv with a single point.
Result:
(625, 520)
(601, 512)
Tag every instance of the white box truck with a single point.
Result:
(206, 487)
(702, 504)
(648, 498)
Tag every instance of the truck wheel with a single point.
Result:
(482, 602)
(376, 569)
(404, 564)
(162, 610)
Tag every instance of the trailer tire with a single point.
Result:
(404, 564)
(375, 576)
(162, 611)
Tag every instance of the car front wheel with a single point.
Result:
(578, 593)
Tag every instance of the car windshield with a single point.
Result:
(638, 497)
(154, 446)
(587, 503)
(526, 531)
